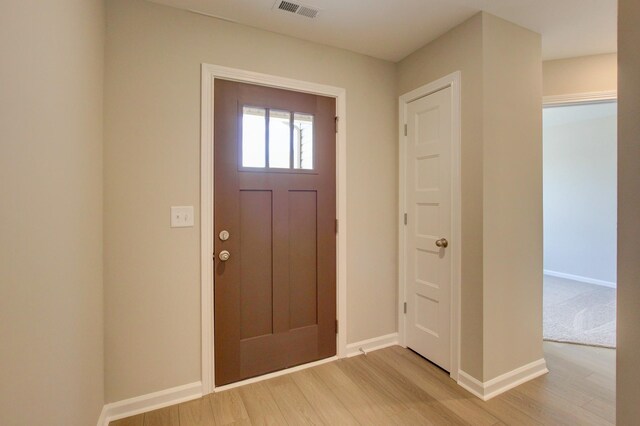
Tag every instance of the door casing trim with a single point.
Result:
(452, 80)
(580, 98)
(209, 74)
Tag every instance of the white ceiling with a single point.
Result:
(392, 29)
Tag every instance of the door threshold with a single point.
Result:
(274, 374)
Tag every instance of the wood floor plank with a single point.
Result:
(496, 408)
(582, 360)
(364, 409)
(507, 413)
(293, 405)
(603, 382)
(196, 413)
(400, 392)
(567, 364)
(549, 408)
(499, 409)
(243, 422)
(447, 394)
(566, 389)
(396, 386)
(260, 405)
(601, 408)
(129, 421)
(328, 407)
(168, 416)
(228, 407)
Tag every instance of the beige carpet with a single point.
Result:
(576, 312)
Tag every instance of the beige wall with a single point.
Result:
(628, 353)
(584, 74)
(500, 67)
(51, 369)
(51, 222)
(461, 50)
(512, 202)
(152, 142)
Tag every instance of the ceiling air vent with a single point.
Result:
(288, 7)
(297, 8)
(307, 11)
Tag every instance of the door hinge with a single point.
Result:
(405, 307)
(336, 326)
(336, 121)
(336, 226)
(405, 130)
(405, 218)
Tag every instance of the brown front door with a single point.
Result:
(275, 196)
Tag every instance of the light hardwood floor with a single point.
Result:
(396, 386)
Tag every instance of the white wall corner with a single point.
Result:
(365, 346)
(152, 401)
(496, 386)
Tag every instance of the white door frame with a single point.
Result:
(580, 98)
(209, 73)
(453, 81)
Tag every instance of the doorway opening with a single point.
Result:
(580, 205)
(580, 214)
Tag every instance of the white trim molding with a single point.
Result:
(365, 346)
(453, 81)
(102, 420)
(580, 278)
(152, 401)
(209, 74)
(580, 98)
(504, 382)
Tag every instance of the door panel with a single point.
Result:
(275, 297)
(428, 198)
(256, 309)
(303, 258)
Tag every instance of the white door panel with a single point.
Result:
(428, 203)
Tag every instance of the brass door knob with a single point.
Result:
(442, 242)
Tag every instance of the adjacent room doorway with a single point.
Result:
(580, 222)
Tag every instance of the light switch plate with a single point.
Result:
(181, 216)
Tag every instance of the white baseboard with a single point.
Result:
(102, 420)
(471, 384)
(504, 382)
(152, 401)
(580, 278)
(364, 346)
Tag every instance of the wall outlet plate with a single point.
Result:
(181, 216)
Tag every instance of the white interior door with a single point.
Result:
(428, 229)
